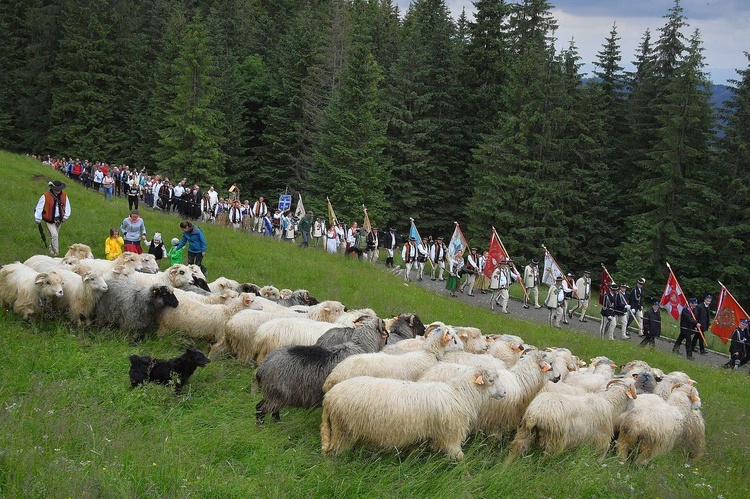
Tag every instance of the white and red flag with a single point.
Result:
(673, 299)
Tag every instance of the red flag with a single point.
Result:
(728, 315)
(496, 255)
(604, 285)
(673, 299)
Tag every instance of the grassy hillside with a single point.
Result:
(74, 428)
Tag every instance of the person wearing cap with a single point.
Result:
(554, 302)
(305, 227)
(390, 243)
(621, 310)
(635, 300)
(438, 257)
(499, 284)
(373, 243)
(607, 327)
(409, 256)
(156, 248)
(583, 284)
(470, 269)
(703, 315)
(133, 231)
(651, 324)
(739, 346)
(688, 326)
(53, 208)
(531, 283)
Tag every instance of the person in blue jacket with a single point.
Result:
(193, 236)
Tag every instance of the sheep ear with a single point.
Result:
(247, 299)
(40, 278)
(479, 381)
(545, 366)
(447, 338)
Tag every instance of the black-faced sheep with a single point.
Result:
(27, 290)
(298, 297)
(133, 308)
(409, 366)
(389, 414)
(654, 426)
(294, 375)
(177, 370)
(555, 422)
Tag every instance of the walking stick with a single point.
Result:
(41, 233)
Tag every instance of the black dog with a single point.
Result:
(180, 368)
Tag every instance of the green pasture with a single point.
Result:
(73, 427)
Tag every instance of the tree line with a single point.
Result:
(415, 114)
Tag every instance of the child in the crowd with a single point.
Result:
(113, 244)
(156, 248)
(175, 255)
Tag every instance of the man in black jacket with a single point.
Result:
(621, 309)
(703, 315)
(635, 300)
(651, 324)
(688, 325)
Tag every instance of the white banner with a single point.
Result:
(551, 270)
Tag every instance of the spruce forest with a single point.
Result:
(488, 122)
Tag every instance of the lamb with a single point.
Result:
(294, 375)
(654, 428)
(222, 283)
(600, 371)
(412, 344)
(286, 332)
(392, 414)
(81, 290)
(201, 321)
(133, 308)
(27, 290)
(556, 421)
(522, 382)
(79, 251)
(163, 372)
(408, 366)
(176, 276)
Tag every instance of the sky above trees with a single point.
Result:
(723, 24)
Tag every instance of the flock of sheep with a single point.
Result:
(386, 384)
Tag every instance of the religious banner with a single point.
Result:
(728, 315)
(497, 254)
(457, 242)
(551, 269)
(299, 212)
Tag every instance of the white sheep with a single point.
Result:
(81, 290)
(79, 251)
(655, 426)
(127, 259)
(564, 362)
(446, 369)
(201, 321)
(270, 292)
(409, 366)
(390, 414)
(46, 263)
(239, 332)
(285, 293)
(472, 338)
(286, 331)
(601, 371)
(222, 283)
(176, 276)
(412, 344)
(213, 298)
(27, 290)
(522, 383)
(555, 422)
(505, 347)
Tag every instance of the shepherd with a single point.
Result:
(53, 208)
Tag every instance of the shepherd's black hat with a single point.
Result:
(57, 185)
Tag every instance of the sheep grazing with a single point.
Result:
(555, 422)
(294, 375)
(286, 332)
(408, 366)
(201, 321)
(522, 383)
(79, 251)
(163, 372)
(600, 371)
(389, 414)
(27, 290)
(655, 426)
(133, 308)
(176, 276)
(222, 283)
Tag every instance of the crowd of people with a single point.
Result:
(621, 305)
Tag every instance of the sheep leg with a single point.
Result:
(260, 412)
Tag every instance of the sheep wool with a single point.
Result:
(389, 414)
(27, 290)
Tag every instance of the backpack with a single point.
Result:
(360, 241)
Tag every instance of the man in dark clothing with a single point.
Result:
(608, 324)
(703, 315)
(305, 227)
(651, 324)
(688, 325)
(390, 244)
(635, 300)
(738, 347)
(621, 308)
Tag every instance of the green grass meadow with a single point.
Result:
(73, 427)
